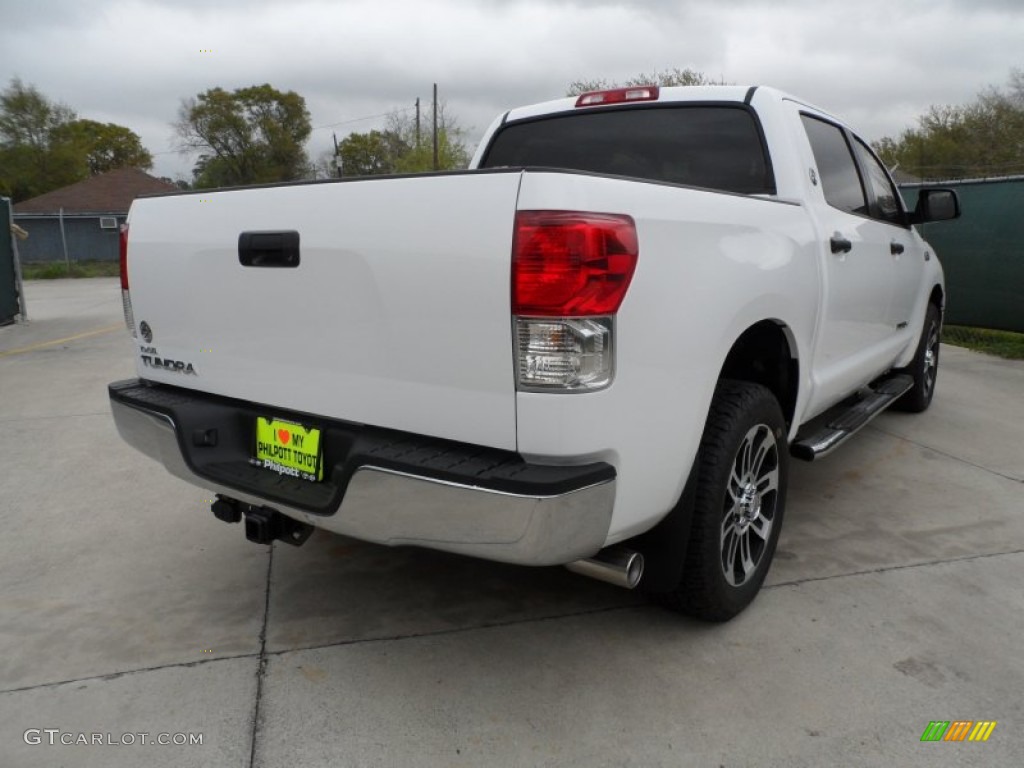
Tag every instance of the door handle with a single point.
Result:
(269, 249)
(895, 248)
(840, 244)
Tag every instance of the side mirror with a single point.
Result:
(936, 205)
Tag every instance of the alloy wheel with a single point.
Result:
(749, 505)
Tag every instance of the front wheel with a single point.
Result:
(742, 471)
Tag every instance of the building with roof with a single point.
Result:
(81, 221)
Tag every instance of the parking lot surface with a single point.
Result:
(895, 600)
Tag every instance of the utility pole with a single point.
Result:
(435, 126)
(337, 163)
(417, 122)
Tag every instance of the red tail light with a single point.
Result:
(569, 264)
(123, 253)
(126, 297)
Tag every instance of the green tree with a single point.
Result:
(33, 158)
(666, 78)
(398, 148)
(370, 154)
(179, 182)
(28, 118)
(105, 146)
(44, 146)
(452, 153)
(983, 138)
(247, 136)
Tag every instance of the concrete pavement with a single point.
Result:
(895, 599)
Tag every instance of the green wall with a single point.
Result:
(982, 252)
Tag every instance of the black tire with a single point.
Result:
(925, 366)
(737, 514)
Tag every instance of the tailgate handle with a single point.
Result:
(269, 249)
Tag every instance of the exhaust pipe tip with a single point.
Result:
(617, 565)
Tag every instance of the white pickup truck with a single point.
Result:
(597, 347)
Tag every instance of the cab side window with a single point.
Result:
(840, 180)
(886, 203)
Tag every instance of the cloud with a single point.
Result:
(878, 64)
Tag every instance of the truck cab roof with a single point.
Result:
(740, 94)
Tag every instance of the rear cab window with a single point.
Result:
(717, 147)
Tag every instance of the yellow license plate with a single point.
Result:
(288, 449)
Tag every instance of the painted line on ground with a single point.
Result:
(66, 339)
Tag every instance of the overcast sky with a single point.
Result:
(876, 63)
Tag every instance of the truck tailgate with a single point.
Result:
(397, 314)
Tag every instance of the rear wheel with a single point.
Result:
(925, 365)
(742, 470)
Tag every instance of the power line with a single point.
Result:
(361, 119)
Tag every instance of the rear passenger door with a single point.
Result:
(856, 339)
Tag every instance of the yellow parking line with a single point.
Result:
(76, 337)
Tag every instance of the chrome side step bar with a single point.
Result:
(845, 423)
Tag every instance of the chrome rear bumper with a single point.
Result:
(394, 508)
